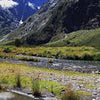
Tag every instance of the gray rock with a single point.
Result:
(27, 90)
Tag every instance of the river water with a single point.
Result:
(60, 64)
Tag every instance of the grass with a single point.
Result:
(28, 59)
(36, 88)
(79, 38)
(71, 53)
(9, 78)
(69, 94)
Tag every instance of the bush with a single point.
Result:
(17, 42)
(87, 56)
(50, 60)
(36, 88)
(58, 54)
(18, 81)
(0, 87)
(97, 57)
(7, 50)
(52, 89)
(69, 94)
(71, 57)
(28, 59)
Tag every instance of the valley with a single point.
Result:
(50, 50)
(52, 72)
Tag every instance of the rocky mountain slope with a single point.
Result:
(7, 22)
(14, 12)
(26, 8)
(69, 16)
(36, 21)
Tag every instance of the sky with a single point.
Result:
(12, 3)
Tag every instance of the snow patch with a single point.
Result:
(20, 22)
(8, 3)
(38, 7)
(32, 5)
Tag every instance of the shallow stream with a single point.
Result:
(60, 64)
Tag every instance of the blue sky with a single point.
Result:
(11, 3)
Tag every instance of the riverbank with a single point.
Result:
(50, 79)
(57, 64)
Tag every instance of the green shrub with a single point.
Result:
(18, 81)
(87, 56)
(52, 87)
(50, 61)
(58, 54)
(4, 81)
(36, 88)
(39, 55)
(71, 57)
(69, 94)
(17, 42)
(97, 57)
(28, 59)
(0, 87)
(7, 50)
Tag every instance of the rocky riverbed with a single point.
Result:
(60, 64)
(89, 84)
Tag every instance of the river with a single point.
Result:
(60, 64)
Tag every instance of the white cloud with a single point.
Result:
(31, 5)
(7, 3)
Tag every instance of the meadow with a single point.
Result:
(70, 53)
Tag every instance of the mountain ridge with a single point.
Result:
(68, 17)
(55, 20)
(36, 21)
(14, 12)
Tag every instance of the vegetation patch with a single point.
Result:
(70, 53)
(45, 80)
(79, 38)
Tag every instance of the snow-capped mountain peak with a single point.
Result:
(14, 12)
(22, 9)
(8, 3)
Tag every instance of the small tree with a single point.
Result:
(7, 50)
(17, 42)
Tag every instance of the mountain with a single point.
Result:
(22, 9)
(26, 8)
(69, 16)
(14, 12)
(7, 22)
(36, 21)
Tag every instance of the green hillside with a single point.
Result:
(80, 38)
(69, 16)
